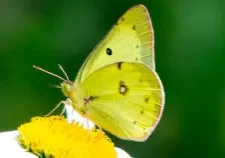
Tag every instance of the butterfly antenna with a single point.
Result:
(64, 72)
(50, 73)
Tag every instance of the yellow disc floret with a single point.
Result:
(55, 137)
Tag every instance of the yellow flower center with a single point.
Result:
(54, 137)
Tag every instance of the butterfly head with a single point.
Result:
(68, 89)
(66, 86)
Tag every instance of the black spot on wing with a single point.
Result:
(91, 98)
(109, 51)
(134, 27)
(119, 65)
(146, 99)
(142, 112)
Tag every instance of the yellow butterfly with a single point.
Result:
(117, 86)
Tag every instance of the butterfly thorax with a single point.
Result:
(72, 92)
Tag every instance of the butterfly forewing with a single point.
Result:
(131, 39)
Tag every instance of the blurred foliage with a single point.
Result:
(190, 57)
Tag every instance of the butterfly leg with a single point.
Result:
(87, 122)
(56, 107)
(63, 111)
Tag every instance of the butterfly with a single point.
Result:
(117, 86)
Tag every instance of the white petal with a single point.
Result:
(121, 153)
(9, 146)
(73, 115)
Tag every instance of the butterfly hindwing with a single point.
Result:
(126, 99)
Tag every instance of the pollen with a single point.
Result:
(54, 137)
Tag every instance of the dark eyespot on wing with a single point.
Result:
(137, 46)
(122, 19)
(108, 51)
(123, 89)
(134, 27)
(134, 122)
(119, 65)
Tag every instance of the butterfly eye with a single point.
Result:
(109, 51)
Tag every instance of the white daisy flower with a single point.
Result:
(54, 137)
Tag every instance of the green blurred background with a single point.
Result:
(190, 58)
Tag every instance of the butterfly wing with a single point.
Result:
(131, 39)
(127, 99)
